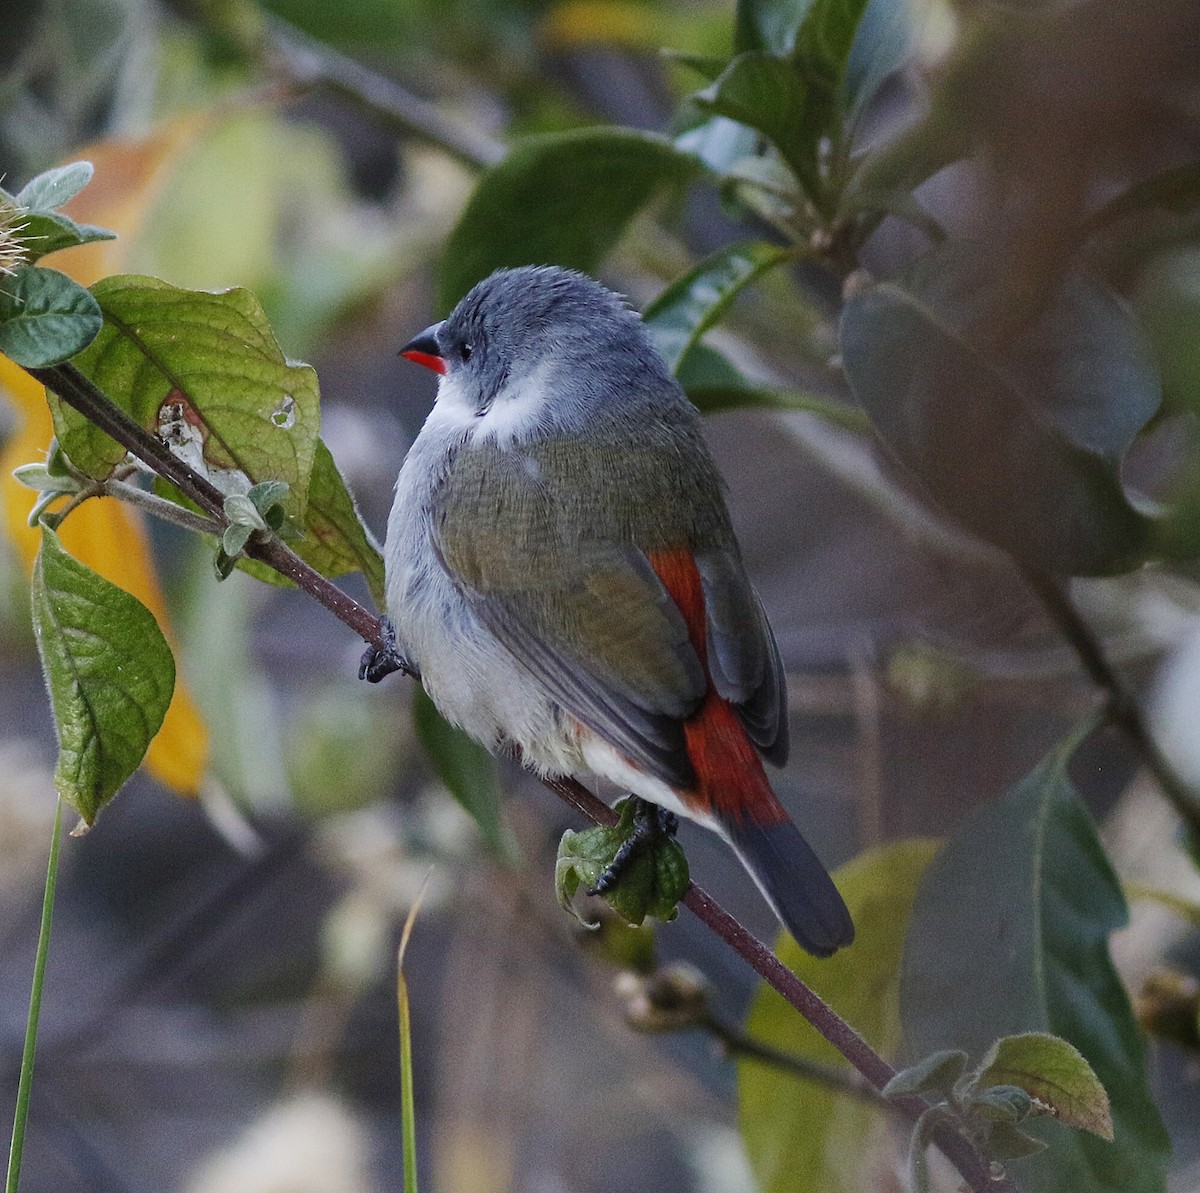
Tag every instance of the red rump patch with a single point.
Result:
(428, 359)
(731, 783)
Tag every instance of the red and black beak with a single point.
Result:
(424, 350)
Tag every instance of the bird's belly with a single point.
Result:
(474, 681)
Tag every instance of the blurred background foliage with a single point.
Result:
(220, 1013)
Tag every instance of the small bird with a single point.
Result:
(562, 573)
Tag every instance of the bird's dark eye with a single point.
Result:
(465, 351)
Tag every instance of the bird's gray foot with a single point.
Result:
(381, 660)
(651, 823)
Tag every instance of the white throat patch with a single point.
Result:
(515, 414)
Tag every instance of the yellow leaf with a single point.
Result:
(601, 22)
(108, 535)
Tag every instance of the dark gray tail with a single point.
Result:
(794, 882)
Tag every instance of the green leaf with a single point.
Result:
(770, 95)
(560, 199)
(768, 25)
(267, 495)
(55, 187)
(467, 770)
(1176, 190)
(1009, 935)
(1054, 1074)
(45, 317)
(110, 674)
(46, 232)
(936, 1074)
(807, 1138)
(714, 385)
(241, 511)
(718, 143)
(1008, 1142)
(652, 879)
(822, 53)
(1001, 1103)
(683, 312)
(882, 46)
(203, 370)
(1022, 444)
(333, 538)
(235, 538)
(336, 540)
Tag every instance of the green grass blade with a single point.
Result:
(25, 1083)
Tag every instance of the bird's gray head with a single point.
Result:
(562, 346)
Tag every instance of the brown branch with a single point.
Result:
(1122, 708)
(77, 391)
(307, 62)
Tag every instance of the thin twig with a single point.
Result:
(307, 61)
(742, 1045)
(1122, 708)
(150, 503)
(75, 389)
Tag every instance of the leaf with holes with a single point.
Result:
(202, 369)
(109, 671)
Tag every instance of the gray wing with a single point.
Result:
(743, 657)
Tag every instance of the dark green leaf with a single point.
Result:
(55, 187)
(822, 53)
(45, 317)
(792, 1129)
(714, 385)
(687, 308)
(1022, 444)
(708, 66)
(336, 540)
(1054, 1073)
(1009, 934)
(468, 771)
(935, 1074)
(652, 880)
(768, 25)
(1176, 190)
(560, 199)
(770, 95)
(47, 232)
(204, 371)
(882, 46)
(110, 674)
(1007, 1142)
